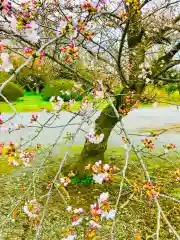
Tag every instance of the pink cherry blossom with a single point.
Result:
(93, 138)
(27, 50)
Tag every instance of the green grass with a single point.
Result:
(138, 215)
(34, 103)
(30, 104)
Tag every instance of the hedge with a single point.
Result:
(62, 88)
(12, 92)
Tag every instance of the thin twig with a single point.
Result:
(172, 198)
(38, 233)
(166, 220)
(120, 190)
(158, 223)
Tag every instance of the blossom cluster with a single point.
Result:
(5, 63)
(122, 14)
(98, 211)
(57, 103)
(39, 56)
(27, 26)
(31, 31)
(67, 26)
(169, 146)
(71, 25)
(93, 6)
(71, 51)
(102, 209)
(27, 157)
(124, 139)
(15, 157)
(34, 118)
(31, 209)
(65, 181)
(145, 72)
(25, 19)
(151, 190)
(130, 102)
(101, 172)
(148, 143)
(95, 138)
(5, 6)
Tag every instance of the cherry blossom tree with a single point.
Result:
(123, 38)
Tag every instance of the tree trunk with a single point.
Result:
(37, 89)
(107, 120)
(94, 152)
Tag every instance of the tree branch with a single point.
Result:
(48, 55)
(170, 65)
(27, 62)
(171, 53)
(120, 52)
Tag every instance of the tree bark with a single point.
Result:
(103, 124)
(94, 152)
(107, 120)
(37, 89)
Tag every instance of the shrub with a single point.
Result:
(12, 92)
(4, 76)
(62, 88)
(62, 84)
(171, 88)
(31, 82)
(76, 96)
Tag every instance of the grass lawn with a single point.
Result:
(30, 104)
(136, 212)
(36, 104)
